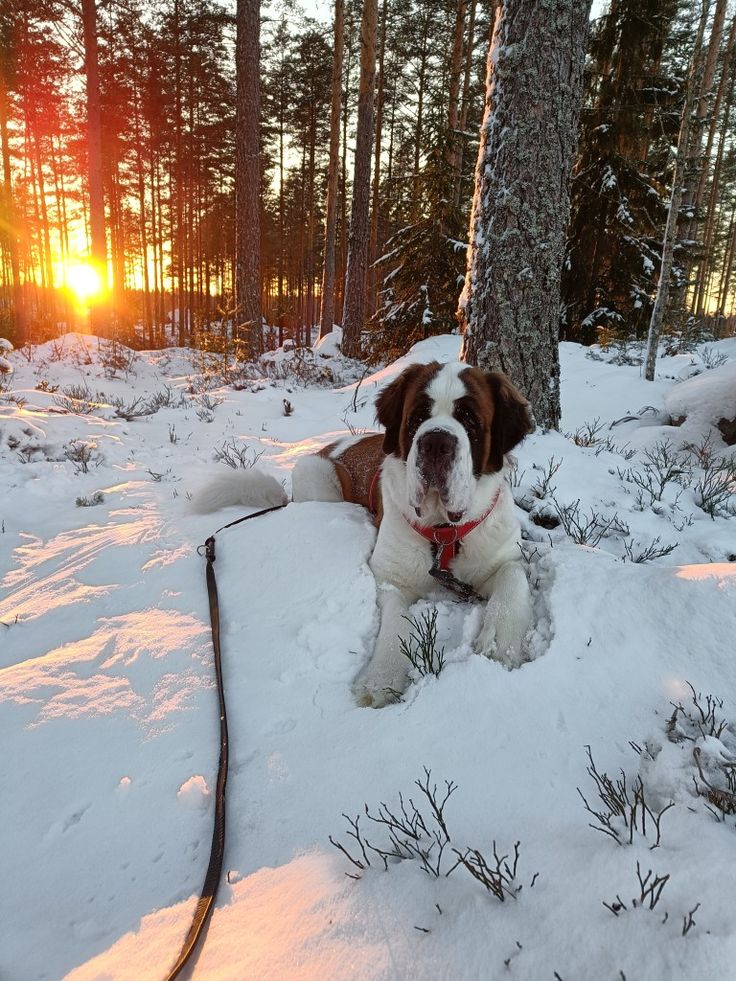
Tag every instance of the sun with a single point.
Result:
(84, 281)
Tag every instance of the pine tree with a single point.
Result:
(617, 200)
(248, 176)
(510, 302)
(423, 267)
(357, 262)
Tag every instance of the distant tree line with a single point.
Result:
(383, 130)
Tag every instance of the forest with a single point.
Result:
(127, 129)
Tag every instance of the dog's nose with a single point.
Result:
(437, 446)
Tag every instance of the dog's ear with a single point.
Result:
(512, 418)
(390, 406)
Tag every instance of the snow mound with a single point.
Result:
(707, 400)
(330, 345)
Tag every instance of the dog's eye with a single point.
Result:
(417, 417)
(467, 419)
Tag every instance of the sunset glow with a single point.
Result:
(84, 282)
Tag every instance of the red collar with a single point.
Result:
(449, 537)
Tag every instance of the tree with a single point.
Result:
(673, 213)
(98, 235)
(327, 313)
(617, 201)
(7, 214)
(248, 177)
(510, 303)
(358, 239)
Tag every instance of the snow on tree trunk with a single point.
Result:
(248, 177)
(327, 312)
(673, 212)
(358, 239)
(510, 302)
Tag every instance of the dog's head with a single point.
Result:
(452, 426)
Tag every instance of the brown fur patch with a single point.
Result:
(395, 403)
(356, 467)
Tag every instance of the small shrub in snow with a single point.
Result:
(715, 486)
(500, 878)
(82, 454)
(544, 485)
(584, 530)
(420, 648)
(77, 399)
(115, 357)
(651, 886)
(662, 465)
(638, 552)
(141, 407)
(90, 502)
(624, 808)
(45, 386)
(712, 359)
(701, 721)
(288, 407)
(237, 456)
(413, 834)
(589, 434)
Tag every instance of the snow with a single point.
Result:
(108, 717)
(705, 399)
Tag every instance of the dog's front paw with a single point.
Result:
(374, 689)
(508, 651)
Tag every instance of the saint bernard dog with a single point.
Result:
(435, 482)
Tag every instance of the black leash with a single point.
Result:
(208, 894)
(206, 901)
(462, 589)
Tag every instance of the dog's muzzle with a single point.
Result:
(436, 453)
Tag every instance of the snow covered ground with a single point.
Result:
(108, 718)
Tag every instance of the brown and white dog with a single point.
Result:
(435, 482)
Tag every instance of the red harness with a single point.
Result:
(447, 538)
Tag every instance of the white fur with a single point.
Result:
(314, 479)
(247, 488)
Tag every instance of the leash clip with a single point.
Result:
(208, 549)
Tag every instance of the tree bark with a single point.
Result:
(510, 303)
(690, 196)
(453, 102)
(465, 105)
(327, 311)
(8, 212)
(670, 233)
(94, 158)
(248, 176)
(357, 261)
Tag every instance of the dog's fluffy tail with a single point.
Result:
(251, 488)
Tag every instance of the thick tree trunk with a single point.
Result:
(511, 299)
(248, 177)
(327, 312)
(357, 261)
(94, 157)
(670, 233)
